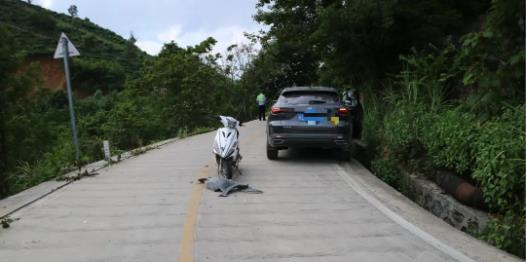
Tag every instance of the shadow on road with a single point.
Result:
(308, 154)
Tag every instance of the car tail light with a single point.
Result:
(279, 110)
(343, 111)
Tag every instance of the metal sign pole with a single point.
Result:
(70, 100)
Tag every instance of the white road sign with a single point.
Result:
(59, 52)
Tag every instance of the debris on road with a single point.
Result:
(6, 221)
(227, 186)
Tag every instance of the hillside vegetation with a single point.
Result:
(135, 98)
(442, 84)
(107, 59)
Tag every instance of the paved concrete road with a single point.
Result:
(148, 209)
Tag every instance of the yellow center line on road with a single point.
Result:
(189, 228)
(186, 250)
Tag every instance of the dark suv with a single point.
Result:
(309, 117)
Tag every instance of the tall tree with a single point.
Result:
(291, 25)
(343, 42)
(132, 38)
(236, 59)
(73, 10)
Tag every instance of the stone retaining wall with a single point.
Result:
(433, 198)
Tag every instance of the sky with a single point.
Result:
(154, 22)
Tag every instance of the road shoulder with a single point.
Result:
(422, 219)
(25, 198)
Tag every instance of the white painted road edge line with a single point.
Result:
(355, 185)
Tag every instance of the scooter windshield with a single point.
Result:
(231, 124)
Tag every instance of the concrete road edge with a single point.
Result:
(11, 204)
(435, 231)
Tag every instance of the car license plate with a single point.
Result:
(311, 123)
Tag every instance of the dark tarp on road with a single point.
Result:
(227, 186)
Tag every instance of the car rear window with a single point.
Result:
(308, 97)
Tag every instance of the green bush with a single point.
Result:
(491, 151)
(134, 122)
(48, 166)
(500, 160)
(399, 128)
(403, 127)
(449, 139)
(506, 232)
(388, 171)
(43, 22)
(372, 120)
(91, 75)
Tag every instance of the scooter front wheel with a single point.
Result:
(225, 169)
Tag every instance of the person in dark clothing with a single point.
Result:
(353, 101)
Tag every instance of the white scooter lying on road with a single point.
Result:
(226, 147)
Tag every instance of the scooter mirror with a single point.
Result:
(213, 117)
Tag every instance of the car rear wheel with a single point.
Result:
(344, 154)
(272, 153)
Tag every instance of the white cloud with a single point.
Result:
(171, 34)
(151, 47)
(47, 3)
(225, 36)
